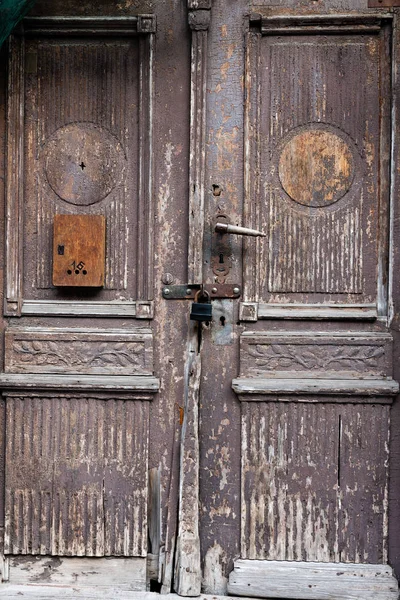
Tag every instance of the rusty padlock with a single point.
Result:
(201, 310)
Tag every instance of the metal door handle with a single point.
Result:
(226, 228)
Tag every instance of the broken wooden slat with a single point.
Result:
(127, 573)
(341, 387)
(312, 581)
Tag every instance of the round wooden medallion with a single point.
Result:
(83, 163)
(316, 168)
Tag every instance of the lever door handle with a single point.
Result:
(226, 228)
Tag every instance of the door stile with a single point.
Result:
(394, 307)
(187, 567)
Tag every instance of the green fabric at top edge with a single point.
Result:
(11, 12)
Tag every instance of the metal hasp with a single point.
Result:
(226, 228)
(383, 3)
(188, 292)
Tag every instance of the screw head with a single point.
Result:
(188, 291)
(214, 290)
(167, 278)
(167, 291)
(236, 290)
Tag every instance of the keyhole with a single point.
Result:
(82, 165)
(222, 321)
(221, 259)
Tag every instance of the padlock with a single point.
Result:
(201, 311)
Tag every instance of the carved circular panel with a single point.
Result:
(83, 163)
(316, 168)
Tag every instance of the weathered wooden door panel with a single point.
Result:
(77, 428)
(315, 376)
(319, 151)
(76, 473)
(84, 481)
(314, 482)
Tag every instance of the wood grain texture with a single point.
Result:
(334, 387)
(394, 488)
(80, 487)
(14, 176)
(312, 581)
(333, 312)
(314, 482)
(79, 250)
(187, 566)
(71, 308)
(110, 383)
(127, 573)
(187, 560)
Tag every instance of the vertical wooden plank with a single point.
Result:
(251, 212)
(187, 563)
(14, 175)
(145, 242)
(363, 482)
(289, 481)
(394, 304)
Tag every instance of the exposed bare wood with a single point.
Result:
(313, 581)
(302, 465)
(42, 592)
(154, 524)
(340, 387)
(359, 312)
(51, 139)
(126, 573)
(187, 580)
(288, 269)
(70, 308)
(187, 561)
(14, 176)
(145, 241)
(199, 21)
(9, 381)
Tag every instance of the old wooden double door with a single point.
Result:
(135, 439)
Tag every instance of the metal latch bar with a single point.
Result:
(188, 291)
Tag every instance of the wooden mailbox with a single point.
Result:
(79, 250)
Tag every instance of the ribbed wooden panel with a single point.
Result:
(307, 85)
(314, 482)
(312, 80)
(322, 253)
(76, 477)
(104, 92)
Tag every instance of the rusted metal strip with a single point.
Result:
(188, 292)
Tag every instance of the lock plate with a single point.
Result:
(188, 292)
